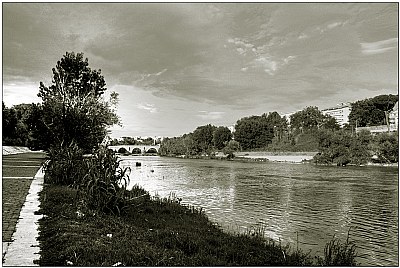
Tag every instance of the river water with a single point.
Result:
(300, 204)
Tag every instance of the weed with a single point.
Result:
(65, 166)
(337, 253)
(104, 186)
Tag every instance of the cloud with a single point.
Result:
(379, 46)
(268, 65)
(147, 107)
(205, 115)
(235, 57)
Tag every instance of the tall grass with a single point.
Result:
(66, 165)
(101, 182)
(104, 186)
(337, 253)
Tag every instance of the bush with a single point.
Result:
(386, 147)
(230, 148)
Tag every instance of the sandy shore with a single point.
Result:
(291, 157)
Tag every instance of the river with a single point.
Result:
(300, 204)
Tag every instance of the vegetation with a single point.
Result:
(372, 111)
(155, 232)
(204, 140)
(221, 137)
(74, 109)
(231, 148)
(337, 253)
(342, 148)
(20, 123)
(254, 132)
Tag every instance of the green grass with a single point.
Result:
(150, 232)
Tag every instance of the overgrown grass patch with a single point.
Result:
(150, 232)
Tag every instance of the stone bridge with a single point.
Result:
(129, 148)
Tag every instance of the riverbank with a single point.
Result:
(278, 157)
(288, 157)
(150, 232)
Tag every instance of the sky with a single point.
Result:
(177, 66)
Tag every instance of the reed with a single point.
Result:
(104, 187)
(338, 253)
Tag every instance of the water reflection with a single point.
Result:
(302, 204)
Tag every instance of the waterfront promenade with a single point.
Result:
(19, 197)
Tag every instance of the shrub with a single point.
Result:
(386, 147)
(230, 148)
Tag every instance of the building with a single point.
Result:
(340, 112)
(394, 117)
(287, 115)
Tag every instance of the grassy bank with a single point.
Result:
(150, 232)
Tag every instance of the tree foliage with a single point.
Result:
(342, 148)
(386, 147)
(253, 132)
(221, 137)
(73, 106)
(231, 148)
(19, 125)
(310, 119)
(371, 112)
(203, 138)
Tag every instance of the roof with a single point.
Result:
(339, 106)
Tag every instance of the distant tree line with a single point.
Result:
(309, 130)
(204, 140)
(22, 124)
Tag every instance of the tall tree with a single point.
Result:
(278, 123)
(221, 137)
(74, 108)
(371, 112)
(309, 118)
(253, 132)
(203, 137)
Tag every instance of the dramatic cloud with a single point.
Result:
(170, 60)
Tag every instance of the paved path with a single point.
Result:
(19, 171)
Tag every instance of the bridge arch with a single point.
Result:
(132, 148)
